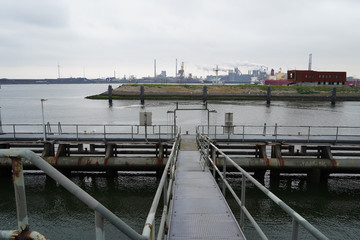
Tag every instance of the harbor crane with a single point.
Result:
(217, 69)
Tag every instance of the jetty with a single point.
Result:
(193, 205)
(229, 92)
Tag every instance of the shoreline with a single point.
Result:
(229, 92)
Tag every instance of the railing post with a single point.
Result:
(295, 228)
(14, 131)
(159, 132)
(207, 153)
(264, 132)
(243, 187)
(213, 155)
(308, 134)
(77, 132)
(132, 133)
(337, 134)
(99, 226)
(243, 133)
(224, 175)
(104, 131)
(20, 195)
(165, 190)
(59, 128)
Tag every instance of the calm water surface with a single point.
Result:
(334, 209)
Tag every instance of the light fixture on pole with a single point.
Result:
(43, 119)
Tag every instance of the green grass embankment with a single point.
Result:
(229, 92)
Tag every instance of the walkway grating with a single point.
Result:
(199, 209)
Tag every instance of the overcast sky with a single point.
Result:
(95, 38)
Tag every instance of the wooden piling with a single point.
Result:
(333, 96)
(110, 89)
(204, 93)
(268, 95)
(142, 95)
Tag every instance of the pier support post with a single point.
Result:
(204, 93)
(274, 177)
(259, 175)
(110, 89)
(268, 95)
(48, 150)
(303, 150)
(333, 96)
(316, 176)
(142, 95)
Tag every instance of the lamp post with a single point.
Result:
(43, 119)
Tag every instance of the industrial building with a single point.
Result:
(315, 78)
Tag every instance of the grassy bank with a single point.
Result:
(229, 92)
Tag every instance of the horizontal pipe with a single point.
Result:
(96, 163)
(141, 163)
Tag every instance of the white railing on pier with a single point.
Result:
(208, 154)
(81, 131)
(279, 133)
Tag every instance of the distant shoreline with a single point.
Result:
(230, 92)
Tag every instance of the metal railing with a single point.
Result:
(80, 131)
(165, 188)
(209, 151)
(101, 212)
(275, 132)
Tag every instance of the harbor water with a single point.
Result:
(333, 208)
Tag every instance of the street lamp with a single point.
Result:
(43, 119)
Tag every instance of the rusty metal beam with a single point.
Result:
(20, 195)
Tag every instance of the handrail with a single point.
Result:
(82, 130)
(277, 131)
(297, 219)
(75, 190)
(101, 212)
(166, 187)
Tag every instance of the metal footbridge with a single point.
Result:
(199, 210)
(192, 206)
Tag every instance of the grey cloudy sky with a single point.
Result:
(96, 38)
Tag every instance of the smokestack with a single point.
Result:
(154, 68)
(310, 61)
(176, 72)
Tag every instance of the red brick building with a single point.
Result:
(306, 77)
